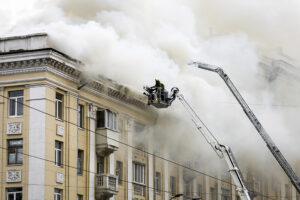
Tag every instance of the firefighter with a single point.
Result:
(159, 89)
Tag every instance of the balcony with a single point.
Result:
(106, 186)
(107, 140)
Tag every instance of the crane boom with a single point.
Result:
(221, 150)
(260, 129)
(159, 98)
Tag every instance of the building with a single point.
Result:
(64, 137)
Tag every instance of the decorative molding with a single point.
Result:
(39, 99)
(14, 128)
(40, 85)
(60, 130)
(72, 95)
(92, 112)
(40, 64)
(13, 176)
(59, 177)
(62, 65)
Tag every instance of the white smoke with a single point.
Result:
(134, 42)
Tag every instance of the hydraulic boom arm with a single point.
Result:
(221, 150)
(260, 129)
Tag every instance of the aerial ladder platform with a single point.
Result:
(251, 116)
(159, 98)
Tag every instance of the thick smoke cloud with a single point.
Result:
(135, 41)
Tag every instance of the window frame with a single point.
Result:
(119, 171)
(157, 183)
(15, 99)
(173, 185)
(58, 194)
(80, 114)
(14, 149)
(58, 163)
(80, 161)
(57, 101)
(14, 193)
(110, 120)
(100, 170)
(79, 197)
(138, 169)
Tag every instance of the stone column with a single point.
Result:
(180, 182)
(112, 168)
(36, 142)
(92, 129)
(129, 157)
(2, 192)
(207, 188)
(150, 165)
(194, 189)
(233, 190)
(219, 186)
(294, 193)
(166, 179)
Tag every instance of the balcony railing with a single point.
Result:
(139, 190)
(107, 140)
(106, 186)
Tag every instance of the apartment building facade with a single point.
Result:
(65, 137)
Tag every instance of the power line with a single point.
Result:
(133, 147)
(76, 168)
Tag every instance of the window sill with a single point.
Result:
(59, 119)
(81, 128)
(141, 184)
(60, 166)
(13, 165)
(16, 116)
(80, 174)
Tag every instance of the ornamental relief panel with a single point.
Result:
(14, 128)
(59, 177)
(13, 176)
(92, 111)
(60, 130)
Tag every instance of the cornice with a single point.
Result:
(38, 65)
(50, 60)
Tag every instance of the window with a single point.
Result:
(187, 189)
(157, 183)
(138, 173)
(225, 194)
(58, 153)
(106, 119)
(119, 172)
(80, 115)
(79, 197)
(14, 193)
(173, 185)
(213, 195)
(80, 161)
(15, 151)
(100, 164)
(59, 106)
(57, 194)
(199, 190)
(16, 99)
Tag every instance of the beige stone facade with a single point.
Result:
(62, 139)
